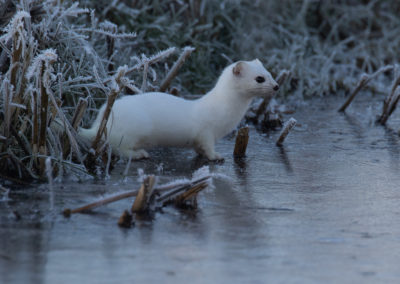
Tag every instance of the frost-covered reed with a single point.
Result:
(59, 63)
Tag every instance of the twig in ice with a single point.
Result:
(168, 192)
(390, 102)
(285, 131)
(242, 140)
(144, 197)
(389, 105)
(364, 80)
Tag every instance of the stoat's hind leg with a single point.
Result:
(135, 154)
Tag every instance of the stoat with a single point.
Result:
(147, 120)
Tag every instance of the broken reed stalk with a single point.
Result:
(389, 106)
(143, 198)
(364, 80)
(189, 194)
(125, 221)
(114, 92)
(169, 189)
(110, 102)
(144, 80)
(175, 191)
(280, 80)
(390, 102)
(175, 68)
(285, 131)
(67, 212)
(242, 140)
(79, 112)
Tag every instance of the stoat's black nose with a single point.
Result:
(276, 87)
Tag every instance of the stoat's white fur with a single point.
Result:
(157, 119)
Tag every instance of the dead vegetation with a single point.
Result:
(151, 197)
(391, 100)
(59, 62)
(56, 69)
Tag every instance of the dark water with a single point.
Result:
(325, 208)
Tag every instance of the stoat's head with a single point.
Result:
(252, 79)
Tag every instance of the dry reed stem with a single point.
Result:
(171, 194)
(143, 198)
(190, 194)
(364, 80)
(125, 221)
(152, 60)
(175, 68)
(242, 140)
(285, 131)
(7, 108)
(71, 138)
(24, 146)
(101, 202)
(171, 190)
(390, 104)
(110, 102)
(145, 73)
(395, 84)
(79, 112)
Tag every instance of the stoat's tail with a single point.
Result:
(88, 134)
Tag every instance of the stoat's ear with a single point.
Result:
(238, 68)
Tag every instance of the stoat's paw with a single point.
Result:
(136, 154)
(215, 157)
(141, 154)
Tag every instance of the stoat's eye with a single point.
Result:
(260, 79)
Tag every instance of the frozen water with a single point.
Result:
(324, 208)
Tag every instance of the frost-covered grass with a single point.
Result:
(60, 60)
(326, 45)
(59, 63)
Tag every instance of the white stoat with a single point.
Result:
(153, 119)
